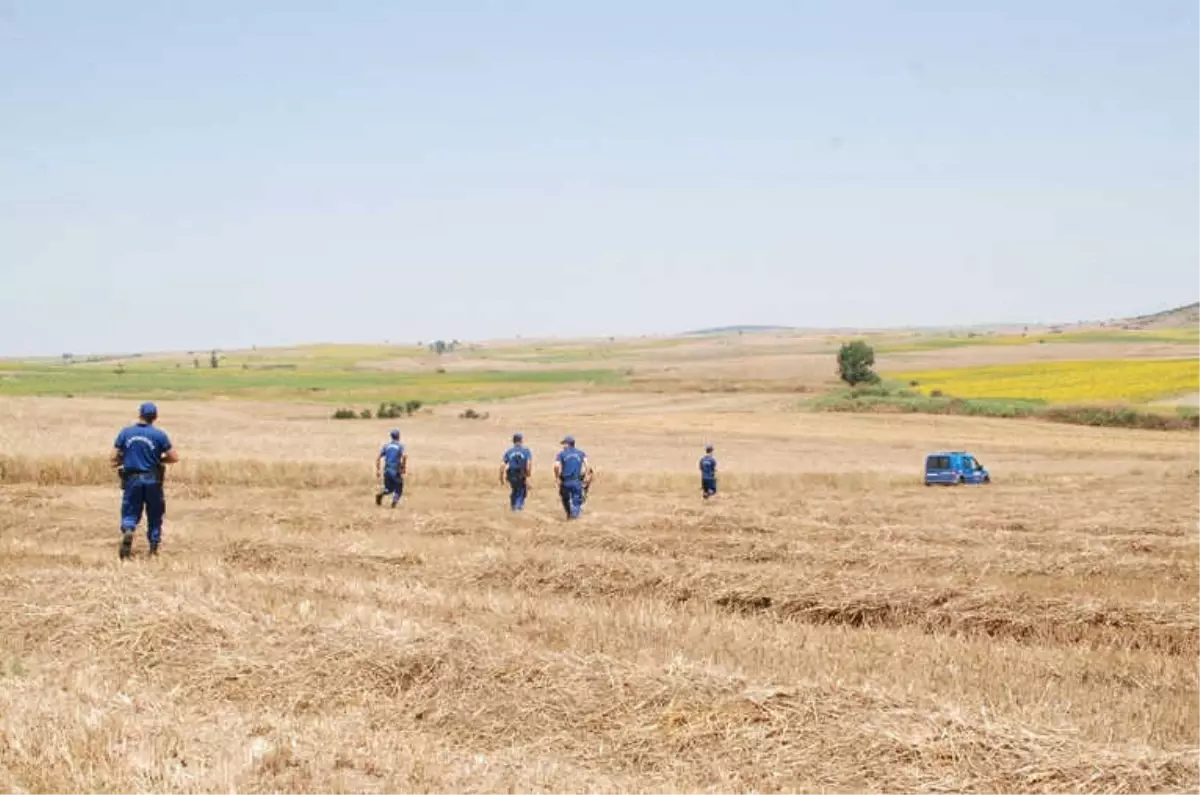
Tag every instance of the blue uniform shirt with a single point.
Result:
(708, 467)
(571, 460)
(517, 458)
(142, 447)
(391, 453)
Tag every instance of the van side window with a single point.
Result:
(936, 462)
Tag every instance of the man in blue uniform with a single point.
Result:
(708, 473)
(571, 470)
(141, 453)
(516, 471)
(394, 462)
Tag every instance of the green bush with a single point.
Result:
(1122, 418)
(345, 414)
(393, 410)
(871, 390)
(881, 399)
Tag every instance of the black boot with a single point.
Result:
(126, 544)
(154, 549)
(379, 498)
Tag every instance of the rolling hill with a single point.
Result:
(1180, 317)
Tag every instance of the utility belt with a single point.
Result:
(141, 475)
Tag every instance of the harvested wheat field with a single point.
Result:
(826, 624)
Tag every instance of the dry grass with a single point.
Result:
(827, 624)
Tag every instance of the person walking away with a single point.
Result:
(516, 471)
(708, 473)
(571, 469)
(140, 454)
(393, 460)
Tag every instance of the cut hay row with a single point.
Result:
(670, 728)
(809, 595)
(1166, 628)
(96, 471)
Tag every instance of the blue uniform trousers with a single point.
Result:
(571, 492)
(393, 484)
(708, 486)
(520, 490)
(142, 492)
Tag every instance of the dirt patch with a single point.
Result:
(1182, 400)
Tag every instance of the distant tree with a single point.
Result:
(855, 360)
(215, 360)
(68, 358)
(196, 362)
(439, 347)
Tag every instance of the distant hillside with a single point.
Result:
(736, 330)
(1179, 317)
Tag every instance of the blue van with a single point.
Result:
(953, 469)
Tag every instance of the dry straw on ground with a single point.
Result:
(827, 624)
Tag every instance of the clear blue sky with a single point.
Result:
(199, 174)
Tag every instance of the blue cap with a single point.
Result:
(148, 410)
(517, 437)
(568, 439)
(395, 434)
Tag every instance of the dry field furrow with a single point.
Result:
(488, 669)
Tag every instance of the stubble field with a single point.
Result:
(826, 624)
